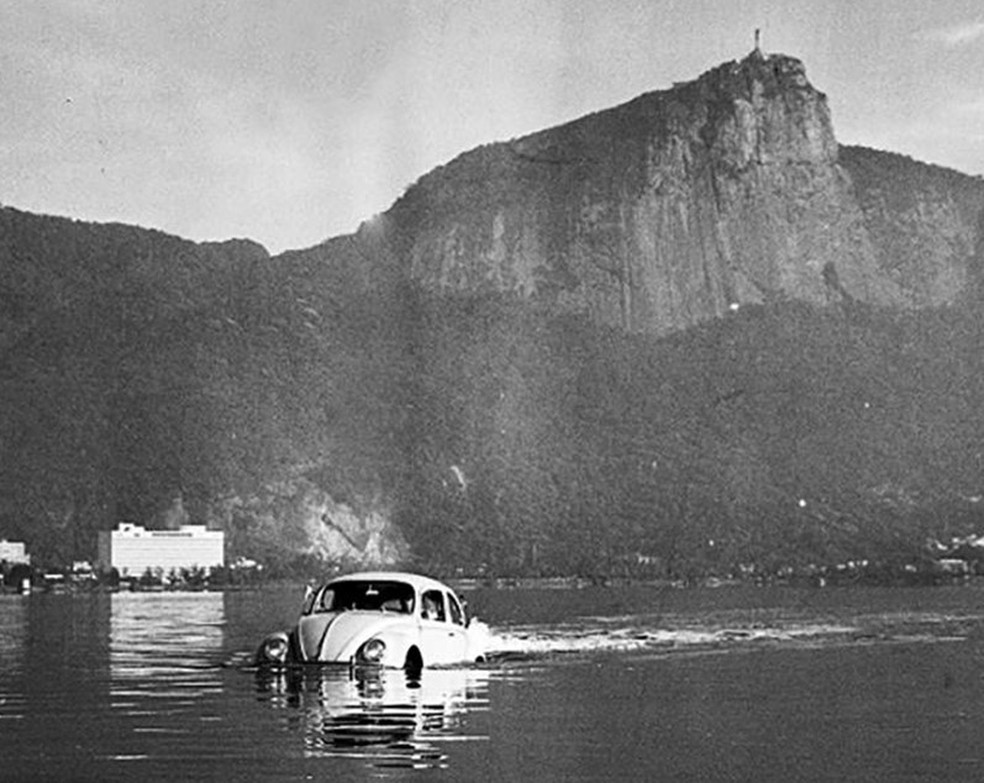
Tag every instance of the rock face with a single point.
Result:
(677, 207)
(298, 516)
(925, 225)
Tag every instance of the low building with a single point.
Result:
(132, 549)
(14, 552)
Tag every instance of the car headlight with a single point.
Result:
(275, 649)
(372, 651)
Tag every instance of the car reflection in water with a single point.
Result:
(386, 717)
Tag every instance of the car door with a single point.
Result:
(442, 640)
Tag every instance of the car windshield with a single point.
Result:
(368, 596)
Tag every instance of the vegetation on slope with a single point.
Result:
(141, 373)
(784, 435)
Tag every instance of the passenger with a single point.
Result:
(431, 611)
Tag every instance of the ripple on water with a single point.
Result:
(155, 686)
(382, 718)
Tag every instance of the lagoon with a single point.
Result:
(636, 682)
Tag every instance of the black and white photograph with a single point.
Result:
(491, 390)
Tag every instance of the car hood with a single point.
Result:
(333, 637)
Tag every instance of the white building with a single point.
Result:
(14, 551)
(131, 549)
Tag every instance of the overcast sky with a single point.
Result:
(293, 121)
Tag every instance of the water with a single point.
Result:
(632, 683)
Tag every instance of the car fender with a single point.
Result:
(279, 640)
(479, 640)
(399, 642)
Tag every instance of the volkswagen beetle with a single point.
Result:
(380, 618)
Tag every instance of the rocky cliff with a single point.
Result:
(683, 205)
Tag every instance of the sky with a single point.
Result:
(292, 121)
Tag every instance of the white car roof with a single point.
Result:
(417, 581)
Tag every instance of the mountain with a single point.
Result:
(680, 205)
(685, 335)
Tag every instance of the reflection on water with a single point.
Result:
(168, 635)
(385, 718)
(163, 659)
(13, 626)
(627, 684)
(13, 630)
(101, 682)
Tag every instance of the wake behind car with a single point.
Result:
(380, 618)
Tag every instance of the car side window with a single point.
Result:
(433, 606)
(457, 616)
(309, 595)
(326, 600)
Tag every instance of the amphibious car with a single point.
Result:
(380, 618)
